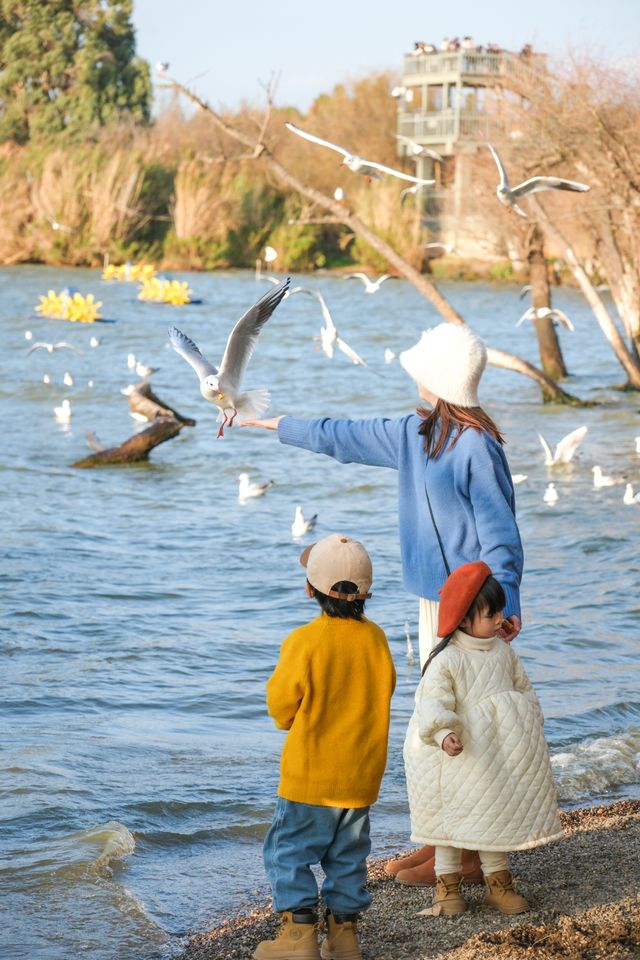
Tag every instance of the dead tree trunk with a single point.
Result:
(258, 150)
(607, 325)
(136, 448)
(143, 401)
(548, 344)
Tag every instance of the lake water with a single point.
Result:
(143, 607)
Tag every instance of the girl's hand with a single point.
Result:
(270, 423)
(517, 627)
(452, 745)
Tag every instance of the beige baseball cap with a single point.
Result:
(338, 558)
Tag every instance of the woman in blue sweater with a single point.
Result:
(456, 501)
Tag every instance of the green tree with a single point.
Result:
(68, 65)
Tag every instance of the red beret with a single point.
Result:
(458, 593)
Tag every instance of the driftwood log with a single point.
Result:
(136, 448)
(144, 402)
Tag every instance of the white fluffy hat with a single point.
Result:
(448, 360)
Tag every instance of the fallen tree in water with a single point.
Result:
(144, 404)
(135, 449)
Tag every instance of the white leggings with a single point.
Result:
(449, 860)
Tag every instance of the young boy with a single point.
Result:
(331, 690)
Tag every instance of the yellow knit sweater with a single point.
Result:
(331, 690)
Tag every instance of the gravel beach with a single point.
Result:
(584, 891)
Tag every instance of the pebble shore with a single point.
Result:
(585, 905)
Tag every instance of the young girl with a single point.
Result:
(476, 760)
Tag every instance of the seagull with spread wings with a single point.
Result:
(369, 168)
(417, 150)
(541, 313)
(50, 347)
(509, 196)
(222, 386)
(370, 286)
(565, 448)
(328, 334)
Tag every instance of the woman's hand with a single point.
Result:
(270, 423)
(452, 745)
(517, 627)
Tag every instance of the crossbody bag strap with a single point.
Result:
(437, 532)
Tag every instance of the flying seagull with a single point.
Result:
(369, 168)
(370, 286)
(541, 312)
(414, 189)
(50, 347)
(56, 225)
(509, 196)
(417, 150)
(222, 385)
(565, 448)
(328, 334)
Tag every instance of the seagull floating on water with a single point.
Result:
(369, 168)
(551, 494)
(50, 347)
(519, 477)
(28, 335)
(637, 445)
(540, 313)
(67, 379)
(300, 526)
(370, 286)
(565, 449)
(143, 370)
(94, 342)
(509, 196)
(46, 378)
(221, 386)
(601, 479)
(389, 356)
(63, 412)
(629, 496)
(417, 150)
(131, 361)
(247, 489)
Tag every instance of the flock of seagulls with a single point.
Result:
(564, 454)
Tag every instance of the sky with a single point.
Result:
(230, 47)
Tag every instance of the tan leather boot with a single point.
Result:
(447, 899)
(424, 873)
(342, 939)
(297, 939)
(501, 895)
(414, 859)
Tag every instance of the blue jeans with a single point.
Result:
(302, 834)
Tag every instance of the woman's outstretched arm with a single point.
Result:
(374, 442)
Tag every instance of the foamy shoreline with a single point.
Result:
(584, 891)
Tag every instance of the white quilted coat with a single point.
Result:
(498, 794)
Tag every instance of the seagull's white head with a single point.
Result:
(210, 389)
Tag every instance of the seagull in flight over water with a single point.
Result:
(369, 168)
(50, 347)
(328, 334)
(509, 196)
(565, 448)
(222, 385)
(370, 286)
(542, 312)
(417, 150)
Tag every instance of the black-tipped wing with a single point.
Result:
(190, 352)
(243, 337)
(536, 184)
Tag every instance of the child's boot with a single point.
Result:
(342, 937)
(447, 899)
(501, 895)
(297, 938)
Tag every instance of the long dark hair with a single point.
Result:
(489, 599)
(335, 607)
(446, 418)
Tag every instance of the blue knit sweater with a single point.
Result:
(470, 490)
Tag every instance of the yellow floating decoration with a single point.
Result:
(129, 272)
(66, 306)
(160, 290)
